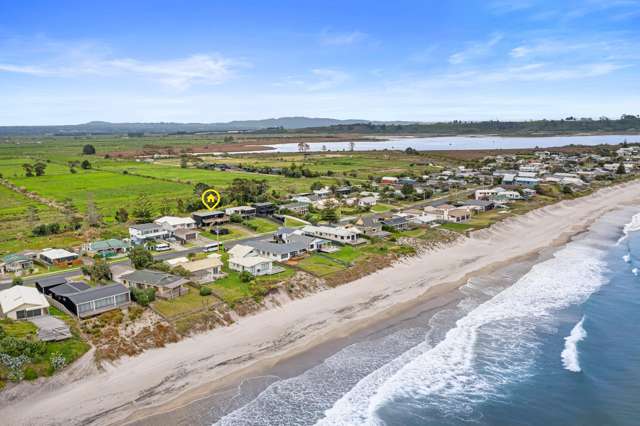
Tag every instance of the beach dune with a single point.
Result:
(164, 379)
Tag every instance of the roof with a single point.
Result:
(51, 281)
(240, 250)
(57, 253)
(294, 243)
(480, 203)
(183, 232)
(328, 230)
(250, 261)
(204, 213)
(175, 221)
(294, 205)
(10, 258)
(96, 293)
(395, 221)
(154, 278)
(19, 295)
(145, 226)
(69, 288)
(267, 204)
(107, 244)
(202, 264)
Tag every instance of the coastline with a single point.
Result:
(134, 388)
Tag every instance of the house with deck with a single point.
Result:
(339, 234)
(106, 248)
(245, 212)
(205, 218)
(146, 232)
(202, 270)
(59, 257)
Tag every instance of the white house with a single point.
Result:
(202, 270)
(173, 223)
(20, 302)
(367, 202)
(338, 234)
(57, 256)
(485, 194)
(147, 232)
(244, 258)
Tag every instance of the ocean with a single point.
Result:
(552, 340)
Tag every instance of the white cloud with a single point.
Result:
(177, 73)
(475, 49)
(341, 39)
(327, 79)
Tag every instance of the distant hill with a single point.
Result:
(104, 127)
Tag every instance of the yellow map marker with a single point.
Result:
(210, 198)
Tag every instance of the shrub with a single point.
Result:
(245, 277)
(205, 291)
(30, 374)
(143, 296)
(57, 360)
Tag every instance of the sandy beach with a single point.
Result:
(164, 379)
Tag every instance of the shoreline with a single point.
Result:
(135, 388)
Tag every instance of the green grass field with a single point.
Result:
(260, 225)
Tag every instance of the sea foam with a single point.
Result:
(634, 225)
(494, 344)
(570, 359)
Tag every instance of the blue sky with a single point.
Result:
(69, 62)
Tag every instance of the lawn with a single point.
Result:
(232, 289)
(41, 364)
(189, 303)
(260, 225)
(457, 227)
(293, 223)
(381, 208)
(320, 265)
(235, 233)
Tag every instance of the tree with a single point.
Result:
(316, 186)
(32, 214)
(140, 257)
(329, 214)
(165, 208)
(28, 169)
(143, 211)
(184, 161)
(200, 188)
(122, 215)
(352, 145)
(39, 168)
(17, 281)
(86, 165)
(88, 149)
(621, 170)
(407, 189)
(100, 271)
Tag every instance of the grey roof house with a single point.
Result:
(167, 286)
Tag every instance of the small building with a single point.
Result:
(264, 209)
(43, 285)
(185, 235)
(106, 248)
(344, 190)
(245, 212)
(458, 215)
(480, 205)
(389, 180)
(15, 263)
(367, 201)
(145, 232)
(206, 218)
(284, 247)
(370, 226)
(298, 208)
(167, 286)
(59, 257)
(20, 302)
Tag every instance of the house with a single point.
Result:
(298, 208)
(338, 234)
(526, 181)
(397, 223)
(84, 301)
(344, 190)
(285, 244)
(458, 215)
(389, 180)
(245, 212)
(173, 223)
(244, 259)
(370, 226)
(406, 181)
(322, 192)
(145, 232)
(106, 248)
(206, 218)
(167, 286)
(485, 194)
(264, 209)
(255, 265)
(202, 270)
(59, 257)
(367, 201)
(508, 196)
(480, 205)
(185, 235)
(20, 302)
(16, 263)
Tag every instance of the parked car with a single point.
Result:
(220, 231)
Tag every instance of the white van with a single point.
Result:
(211, 247)
(162, 247)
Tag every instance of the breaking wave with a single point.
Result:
(634, 225)
(570, 359)
(493, 345)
